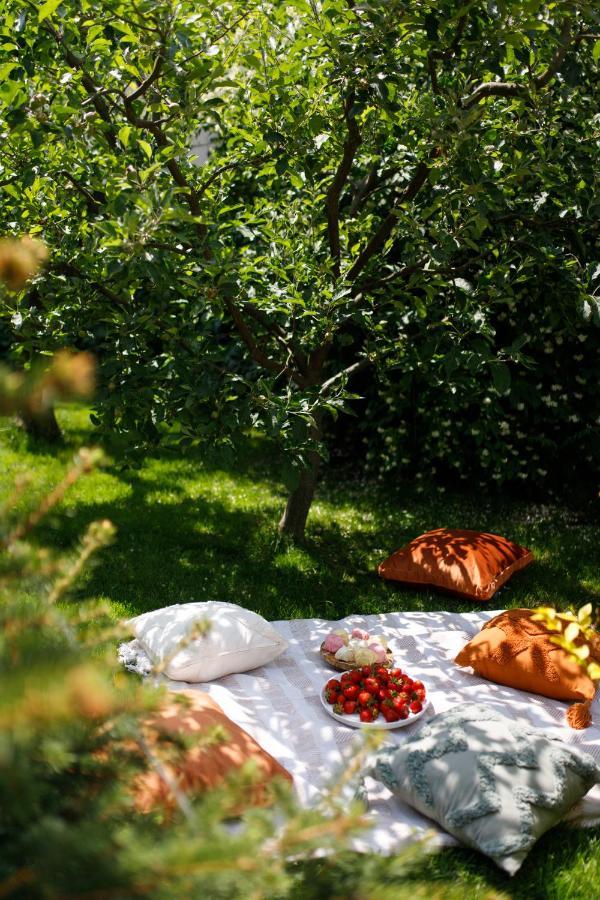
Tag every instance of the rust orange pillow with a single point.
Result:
(471, 564)
(514, 650)
(198, 768)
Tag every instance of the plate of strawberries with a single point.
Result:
(375, 697)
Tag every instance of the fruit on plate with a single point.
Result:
(373, 691)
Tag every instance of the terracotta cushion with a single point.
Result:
(514, 650)
(471, 564)
(200, 767)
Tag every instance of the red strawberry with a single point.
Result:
(365, 715)
(351, 691)
(350, 707)
(390, 715)
(382, 673)
(416, 706)
(346, 678)
(402, 712)
(355, 676)
(396, 673)
(365, 671)
(371, 685)
(333, 685)
(365, 698)
(332, 697)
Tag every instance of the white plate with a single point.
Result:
(380, 723)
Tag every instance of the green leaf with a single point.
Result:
(48, 9)
(501, 377)
(596, 51)
(124, 133)
(146, 148)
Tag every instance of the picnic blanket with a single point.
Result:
(279, 706)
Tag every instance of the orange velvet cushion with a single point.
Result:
(197, 768)
(514, 650)
(471, 564)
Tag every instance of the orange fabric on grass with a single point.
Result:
(471, 564)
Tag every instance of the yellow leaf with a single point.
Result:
(571, 631)
(594, 671)
(582, 652)
(546, 612)
(585, 614)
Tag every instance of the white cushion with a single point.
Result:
(237, 640)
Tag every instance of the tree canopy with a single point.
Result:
(383, 175)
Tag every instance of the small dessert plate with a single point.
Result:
(343, 666)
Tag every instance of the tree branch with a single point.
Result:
(431, 57)
(257, 353)
(351, 145)
(511, 88)
(566, 39)
(493, 89)
(173, 166)
(448, 53)
(93, 203)
(279, 334)
(404, 272)
(94, 92)
(147, 124)
(345, 373)
(152, 77)
(387, 226)
(69, 268)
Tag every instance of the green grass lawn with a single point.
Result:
(194, 528)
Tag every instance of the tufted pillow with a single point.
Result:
(515, 650)
(471, 564)
(203, 641)
(200, 765)
(494, 784)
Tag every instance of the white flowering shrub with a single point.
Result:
(539, 429)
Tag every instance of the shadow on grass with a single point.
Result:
(202, 527)
(560, 851)
(550, 872)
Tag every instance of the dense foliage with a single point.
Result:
(389, 182)
(75, 735)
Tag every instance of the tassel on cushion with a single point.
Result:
(579, 715)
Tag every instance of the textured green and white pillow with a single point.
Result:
(495, 785)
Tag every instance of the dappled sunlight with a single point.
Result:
(194, 528)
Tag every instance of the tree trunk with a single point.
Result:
(293, 520)
(41, 426)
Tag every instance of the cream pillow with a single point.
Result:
(237, 640)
